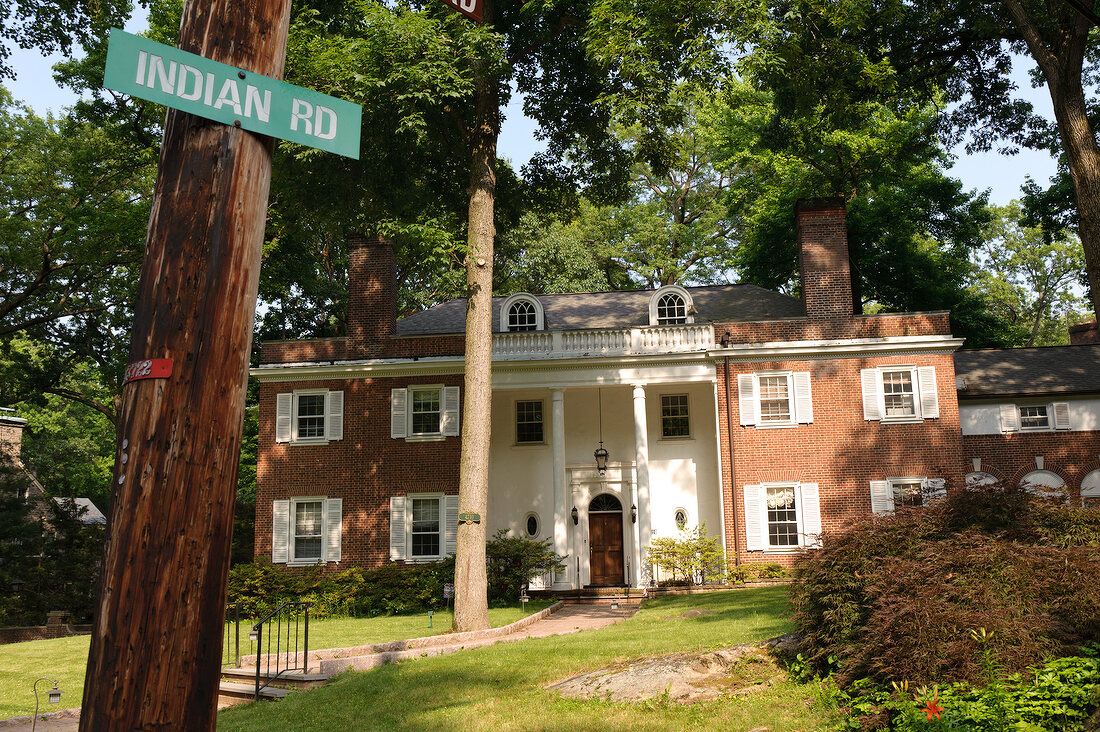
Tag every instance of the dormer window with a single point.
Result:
(521, 312)
(671, 306)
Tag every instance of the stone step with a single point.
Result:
(286, 680)
(231, 690)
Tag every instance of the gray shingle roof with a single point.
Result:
(1019, 371)
(581, 311)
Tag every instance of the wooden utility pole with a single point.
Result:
(156, 643)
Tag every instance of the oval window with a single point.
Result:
(681, 518)
(532, 525)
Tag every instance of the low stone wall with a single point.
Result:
(57, 626)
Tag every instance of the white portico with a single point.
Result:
(652, 403)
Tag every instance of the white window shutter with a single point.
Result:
(280, 532)
(1061, 415)
(929, 397)
(871, 386)
(803, 404)
(399, 400)
(755, 525)
(398, 549)
(933, 489)
(811, 516)
(450, 533)
(882, 497)
(746, 394)
(284, 408)
(334, 415)
(1010, 418)
(334, 508)
(449, 427)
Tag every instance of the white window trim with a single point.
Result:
(807, 500)
(799, 399)
(925, 400)
(286, 420)
(401, 530)
(515, 424)
(506, 307)
(661, 422)
(283, 531)
(1058, 417)
(538, 525)
(689, 306)
(401, 415)
(882, 491)
(1049, 415)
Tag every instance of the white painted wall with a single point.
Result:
(683, 472)
(985, 418)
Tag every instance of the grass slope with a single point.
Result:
(500, 687)
(64, 659)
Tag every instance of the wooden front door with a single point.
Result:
(605, 541)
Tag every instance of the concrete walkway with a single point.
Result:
(563, 619)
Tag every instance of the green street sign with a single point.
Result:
(469, 518)
(181, 80)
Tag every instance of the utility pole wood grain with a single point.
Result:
(156, 643)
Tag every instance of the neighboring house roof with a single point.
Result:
(1028, 371)
(91, 514)
(622, 309)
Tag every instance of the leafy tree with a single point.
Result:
(53, 27)
(691, 557)
(962, 50)
(547, 258)
(1031, 275)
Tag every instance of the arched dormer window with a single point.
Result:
(671, 305)
(521, 312)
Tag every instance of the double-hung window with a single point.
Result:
(775, 398)
(306, 530)
(782, 516)
(905, 492)
(309, 416)
(900, 393)
(423, 527)
(529, 422)
(675, 420)
(1035, 417)
(424, 412)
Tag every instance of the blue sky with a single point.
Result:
(1002, 174)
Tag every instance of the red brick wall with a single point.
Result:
(364, 469)
(336, 349)
(372, 295)
(840, 451)
(1084, 333)
(860, 326)
(823, 258)
(1010, 457)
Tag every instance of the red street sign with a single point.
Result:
(150, 368)
(470, 8)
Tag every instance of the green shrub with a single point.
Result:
(691, 558)
(893, 597)
(392, 589)
(512, 562)
(1059, 695)
(742, 573)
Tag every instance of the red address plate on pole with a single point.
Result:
(470, 8)
(150, 368)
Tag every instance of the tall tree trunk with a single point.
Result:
(156, 641)
(1061, 59)
(471, 585)
(1083, 156)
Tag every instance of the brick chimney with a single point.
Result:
(823, 258)
(1084, 333)
(11, 435)
(372, 295)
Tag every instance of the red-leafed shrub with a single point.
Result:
(895, 597)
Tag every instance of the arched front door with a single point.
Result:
(605, 540)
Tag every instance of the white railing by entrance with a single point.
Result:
(612, 342)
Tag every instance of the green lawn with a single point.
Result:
(64, 659)
(501, 687)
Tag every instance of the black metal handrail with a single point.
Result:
(289, 622)
(232, 636)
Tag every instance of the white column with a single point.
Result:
(561, 507)
(643, 529)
